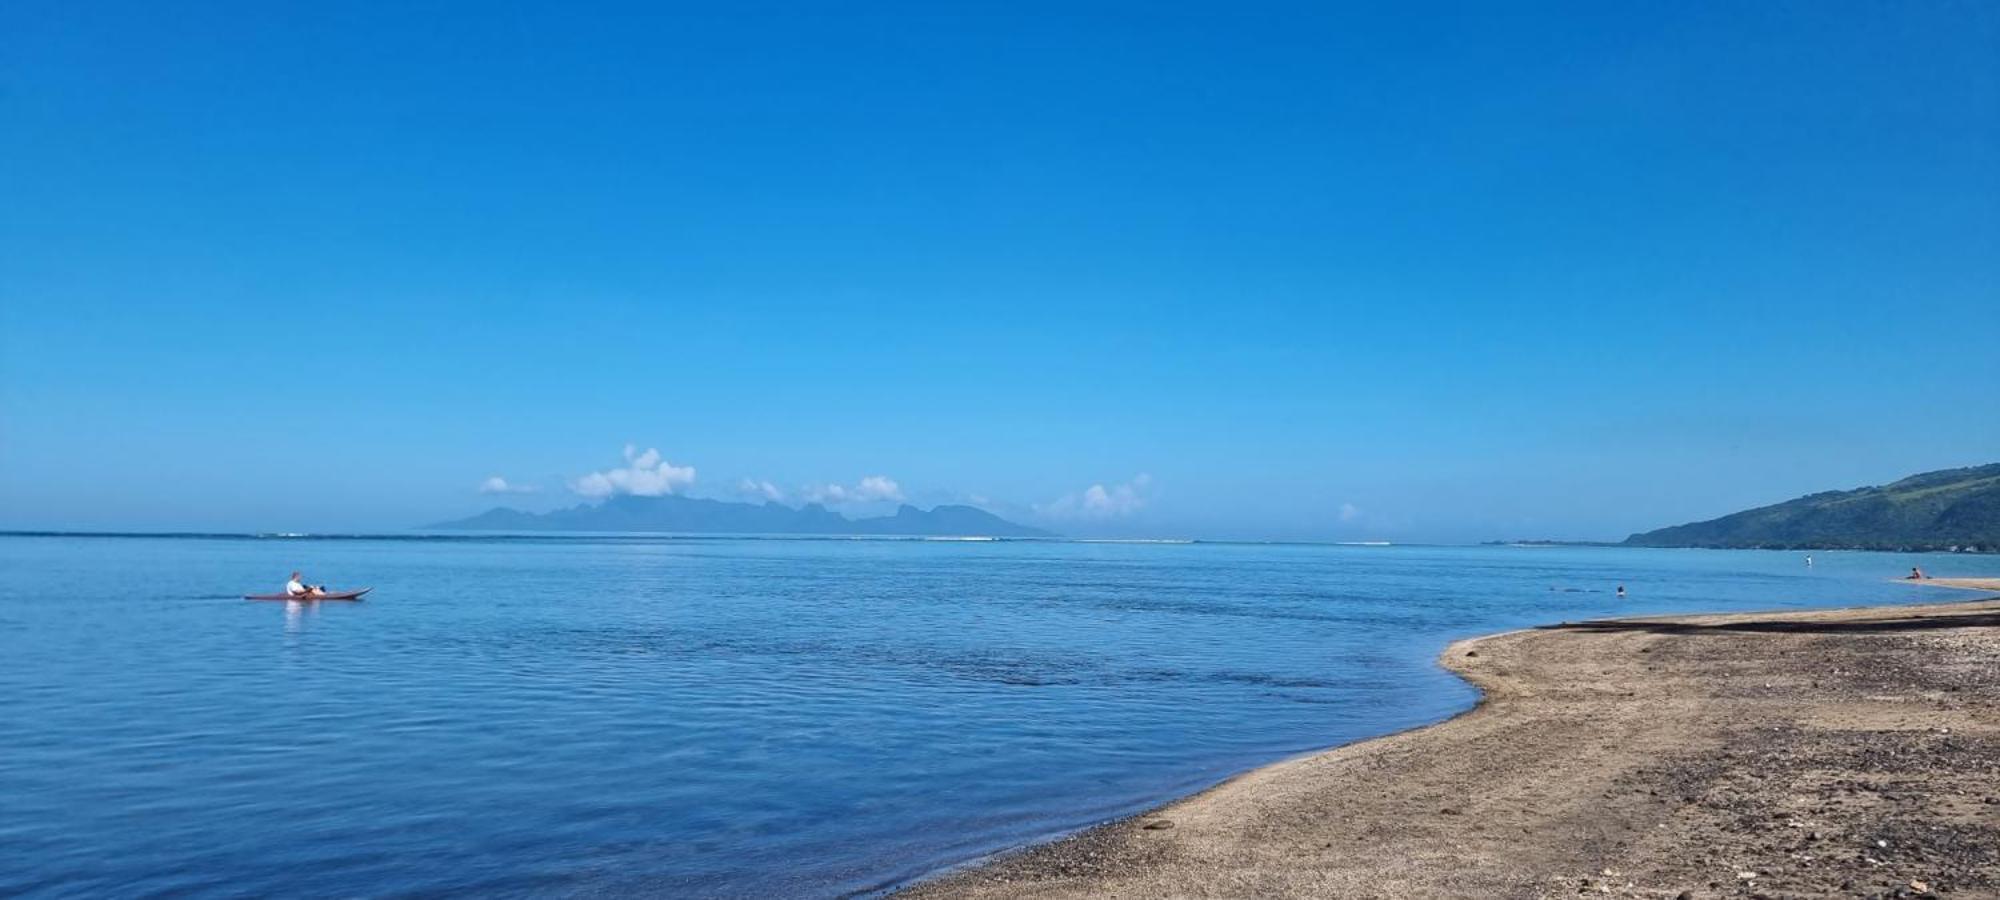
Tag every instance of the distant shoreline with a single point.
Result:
(559, 535)
(1787, 547)
(1619, 757)
(551, 534)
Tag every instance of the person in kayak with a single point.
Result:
(296, 588)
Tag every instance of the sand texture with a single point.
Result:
(1830, 753)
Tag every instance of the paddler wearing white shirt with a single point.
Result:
(296, 588)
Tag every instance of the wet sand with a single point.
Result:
(1831, 753)
(1971, 584)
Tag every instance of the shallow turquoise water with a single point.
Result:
(722, 717)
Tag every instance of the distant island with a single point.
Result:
(1952, 509)
(688, 515)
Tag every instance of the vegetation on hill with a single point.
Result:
(1953, 509)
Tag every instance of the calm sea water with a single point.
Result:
(703, 717)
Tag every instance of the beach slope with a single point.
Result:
(1842, 752)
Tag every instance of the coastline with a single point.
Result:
(1989, 585)
(1842, 751)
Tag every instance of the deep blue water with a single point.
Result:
(704, 717)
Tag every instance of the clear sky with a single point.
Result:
(1250, 270)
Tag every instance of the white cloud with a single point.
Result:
(826, 493)
(1100, 502)
(1349, 512)
(879, 487)
(751, 487)
(499, 485)
(644, 475)
(871, 489)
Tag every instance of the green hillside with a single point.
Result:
(1953, 508)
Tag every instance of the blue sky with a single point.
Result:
(1312, 271)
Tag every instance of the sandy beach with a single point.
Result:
(1969, 584)
(1849, 752)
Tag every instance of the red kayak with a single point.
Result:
(329, 595)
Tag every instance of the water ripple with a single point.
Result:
(528, 716)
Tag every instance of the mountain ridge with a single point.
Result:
(695, 515)
(1949, 509)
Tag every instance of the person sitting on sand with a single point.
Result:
(1916, 574)
(295, 588)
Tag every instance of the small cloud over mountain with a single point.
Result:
(762, 490)
(644, 475)
(879, 487)
(872, 489)
(1101, 502)
(499, 485)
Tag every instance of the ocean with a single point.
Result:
(724, 717)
